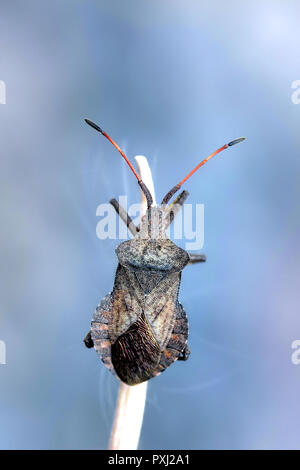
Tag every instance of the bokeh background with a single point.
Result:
(172, 80)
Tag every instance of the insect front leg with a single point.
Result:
(88, 341)
(196, 258)
(184, 355)
(124, 216)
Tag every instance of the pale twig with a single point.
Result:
(131, 401)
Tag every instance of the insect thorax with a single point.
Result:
(151, 249)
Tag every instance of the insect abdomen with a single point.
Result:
(136, 353)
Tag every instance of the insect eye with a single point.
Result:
(159, 247)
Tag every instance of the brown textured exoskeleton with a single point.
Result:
(140, 328)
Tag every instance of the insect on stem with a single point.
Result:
(178, 186)
(139, 329)
(140, 182)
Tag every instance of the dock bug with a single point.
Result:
(140, 328)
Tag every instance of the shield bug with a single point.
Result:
(140, 328)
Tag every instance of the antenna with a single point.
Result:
(140, 182)
(178, 186)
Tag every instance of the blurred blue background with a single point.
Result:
(172, 80)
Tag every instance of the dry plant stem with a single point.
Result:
(131, 401)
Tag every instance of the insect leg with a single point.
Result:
(124, 216)
(184, 355)
(88, 341)
(175, 207)
(196, 258)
